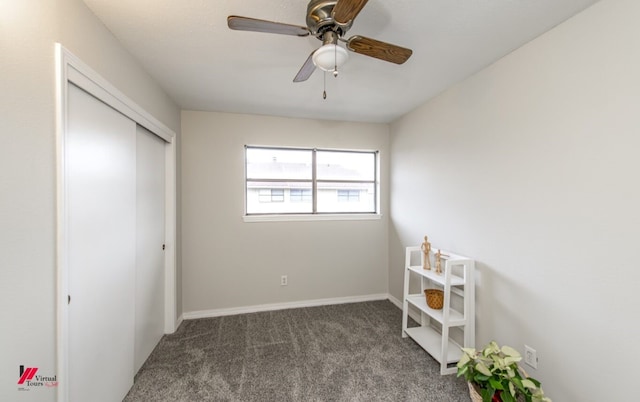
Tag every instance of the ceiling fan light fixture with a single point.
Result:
(330, 57)
(328, 21)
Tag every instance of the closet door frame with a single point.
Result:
(70, 69)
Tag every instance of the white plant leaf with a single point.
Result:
(483, 369)
(464, 360)
(509, 351)
(511, 359)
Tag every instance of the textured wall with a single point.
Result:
(531, 167)
(230, 263)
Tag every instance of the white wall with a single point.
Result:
(28, 31)
(531, 167)
(228, 263)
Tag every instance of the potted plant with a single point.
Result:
(493, 375)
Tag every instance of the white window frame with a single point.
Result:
(317, 216)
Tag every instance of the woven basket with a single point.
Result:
(475, 396)
(435, 298)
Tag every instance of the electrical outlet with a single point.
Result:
(283, 280)
(530, 356)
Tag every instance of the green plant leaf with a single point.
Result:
(506, 397)
(487, 394)
(518, 383)
(480, 378)
(528, 383)
(495, 384)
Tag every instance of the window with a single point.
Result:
(310, 181)
(300, 195)
(348, 195)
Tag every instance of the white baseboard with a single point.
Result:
(412, 312)
(176, 324)
(415, 314)
(395, 301)
(191, 315)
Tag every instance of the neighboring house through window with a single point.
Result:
(271, 195)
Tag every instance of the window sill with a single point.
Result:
(311, 217)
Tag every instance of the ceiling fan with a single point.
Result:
(329, 21)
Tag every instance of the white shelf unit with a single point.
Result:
(457, 279)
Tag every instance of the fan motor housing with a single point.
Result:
(319, 19)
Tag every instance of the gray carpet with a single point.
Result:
(347, 352)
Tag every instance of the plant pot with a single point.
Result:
(474, 393)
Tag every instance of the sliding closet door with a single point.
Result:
(100, 174)
(149, 304)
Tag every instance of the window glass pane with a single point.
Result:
(266, 163)
(346, 197)
(279, 197)
(338, 165)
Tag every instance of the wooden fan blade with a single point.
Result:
(379, 50)
(307, 69)
(347, 10)
(252, 24)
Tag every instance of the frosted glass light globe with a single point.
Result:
(330, 56)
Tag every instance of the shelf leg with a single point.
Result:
(405, 303)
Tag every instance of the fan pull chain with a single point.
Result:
(324, 89)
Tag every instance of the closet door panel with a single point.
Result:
(100, 172)
(149, 322)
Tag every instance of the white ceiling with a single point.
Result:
(203, 65)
